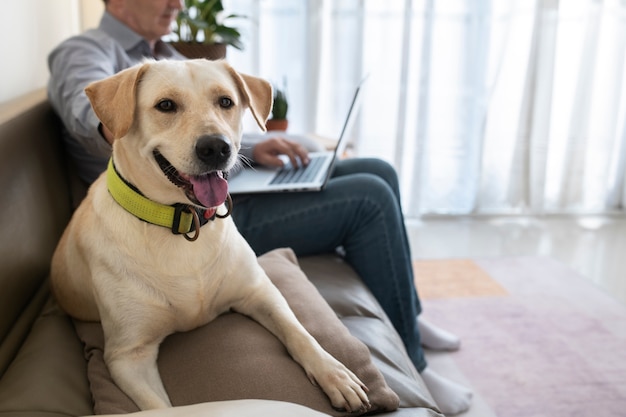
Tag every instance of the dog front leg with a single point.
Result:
(135, 372)
(344, 389)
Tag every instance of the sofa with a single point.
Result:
(43, 365)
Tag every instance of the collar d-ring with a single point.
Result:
(229, 207)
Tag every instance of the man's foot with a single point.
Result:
(451, 398)
(434, 338)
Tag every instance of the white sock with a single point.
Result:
(434, 338)
(451, 398)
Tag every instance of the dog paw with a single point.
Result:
(352, 398)
(344, 389)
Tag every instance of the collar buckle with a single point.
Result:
(177, 228)
(179, 209)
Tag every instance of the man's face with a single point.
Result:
(151, 19)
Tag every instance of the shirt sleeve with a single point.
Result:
(73, 65)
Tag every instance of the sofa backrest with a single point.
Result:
(35, 206)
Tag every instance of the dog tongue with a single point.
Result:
(210, 189)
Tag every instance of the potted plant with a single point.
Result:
(202, 30)
(279, 111)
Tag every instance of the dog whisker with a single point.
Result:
(244, 160)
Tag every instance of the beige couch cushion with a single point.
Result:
(233, 357)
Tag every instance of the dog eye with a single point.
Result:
(166, 105)
(226, 102)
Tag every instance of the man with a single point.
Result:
(130, 31)
(359, 210)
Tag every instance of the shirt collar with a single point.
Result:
(129, 40)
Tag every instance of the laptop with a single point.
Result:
(313, 177)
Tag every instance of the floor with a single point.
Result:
(594, 246)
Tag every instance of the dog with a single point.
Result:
(177, 127)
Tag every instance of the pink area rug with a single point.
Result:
(537, 339)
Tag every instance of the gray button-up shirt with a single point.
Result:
(80, 60)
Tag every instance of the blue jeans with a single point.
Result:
(359, 210)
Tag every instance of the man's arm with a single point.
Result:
(73, 65)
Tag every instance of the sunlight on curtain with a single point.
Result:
(511, 106)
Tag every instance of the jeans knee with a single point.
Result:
(367, 183)
(386, 171)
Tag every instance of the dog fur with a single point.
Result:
(141, 281)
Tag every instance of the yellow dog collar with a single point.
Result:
(180, 218)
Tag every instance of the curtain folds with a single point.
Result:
(483, 106)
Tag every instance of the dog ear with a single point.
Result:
(257, 92)
(113, 99)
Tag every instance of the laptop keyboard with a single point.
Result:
(289, 175)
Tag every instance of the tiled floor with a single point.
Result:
(594, 246)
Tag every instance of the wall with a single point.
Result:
(91, 12)
(31, 29)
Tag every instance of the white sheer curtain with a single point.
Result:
(483, 106)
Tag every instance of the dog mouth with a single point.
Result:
(208, 190)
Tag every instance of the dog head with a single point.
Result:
(178, 125)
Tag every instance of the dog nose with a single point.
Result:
(213, 150)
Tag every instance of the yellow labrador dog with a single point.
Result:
(124, 260)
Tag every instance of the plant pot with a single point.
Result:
(210, 51)
(277, 124)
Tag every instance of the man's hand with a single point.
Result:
(268, 151)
